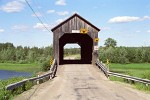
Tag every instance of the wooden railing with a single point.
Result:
(49, 75)
(108, 73)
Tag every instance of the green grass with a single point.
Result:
(20, 67)
(8, 95)
(141, 70)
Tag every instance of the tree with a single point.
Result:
(110, 42)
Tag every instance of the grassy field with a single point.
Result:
(20, 67)
(141, 70)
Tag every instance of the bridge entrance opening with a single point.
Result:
(84, 41)
(72, 52)
(76, 30)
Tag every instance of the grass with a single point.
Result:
(8, 95)
(141, 70)
(20, 67)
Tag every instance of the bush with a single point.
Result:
(28, 85)
(5, 95)
(45, 66)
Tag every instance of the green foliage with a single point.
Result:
(116, 79)
(115, 55)
(146, 75)
(7, 95)
(147, 55)
(71, 51)
(139, 86)
(110, 42)
(33, 68)
(141, 70)
(28, 85)
(125, 55)
(11, 54)
(46, 65)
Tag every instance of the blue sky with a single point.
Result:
(126, 21)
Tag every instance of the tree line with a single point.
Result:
(125, 54)
(71, 51)
(11, 54)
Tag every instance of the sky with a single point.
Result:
(126, 21)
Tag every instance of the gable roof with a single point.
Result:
(75, 15)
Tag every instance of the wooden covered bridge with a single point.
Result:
(77, 30)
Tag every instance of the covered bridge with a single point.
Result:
(77, 30)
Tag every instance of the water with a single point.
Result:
(5, 74)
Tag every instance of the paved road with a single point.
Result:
(82, 82)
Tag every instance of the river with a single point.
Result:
(5, 74)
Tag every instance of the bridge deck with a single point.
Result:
(83, 82)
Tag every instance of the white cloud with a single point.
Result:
(148, 31)
(37, 14)
(20, 27)
(146, 17)
(14, 6)
(1, 30)
(60, 2)
(41, 26)
(63, 13)
(50, 11)
(123, 19)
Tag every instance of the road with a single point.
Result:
(82, 82)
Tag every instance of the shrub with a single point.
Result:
(5, 94)
(45, 66)
(28, 85)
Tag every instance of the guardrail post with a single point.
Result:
(50, 77)
(38, 80)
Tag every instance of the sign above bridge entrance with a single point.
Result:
(75, 31)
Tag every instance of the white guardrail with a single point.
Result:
(108, 73)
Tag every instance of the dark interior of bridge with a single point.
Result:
(86, 44)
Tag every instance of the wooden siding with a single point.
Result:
(75, 22)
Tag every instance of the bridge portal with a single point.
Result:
(77, 30)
